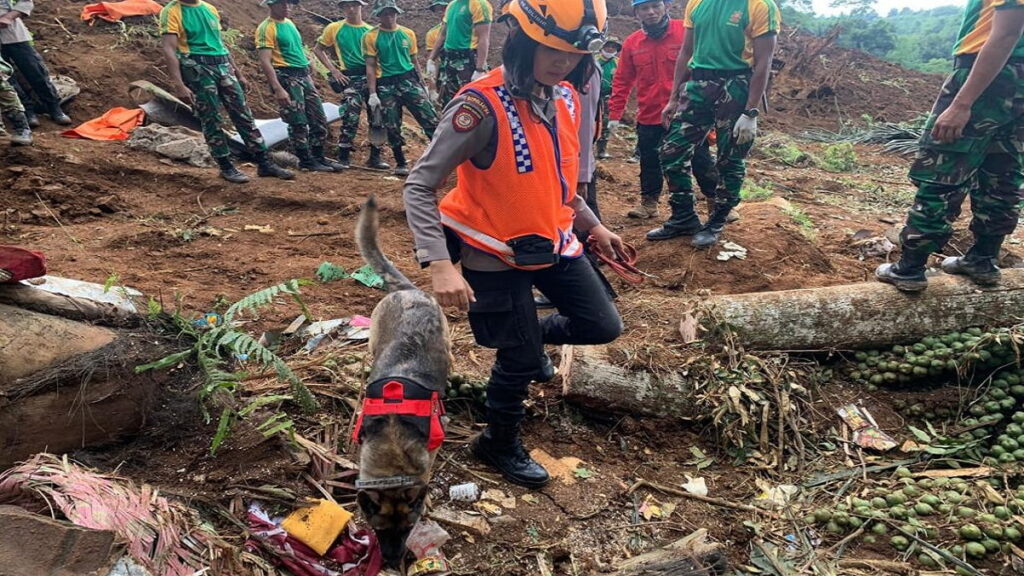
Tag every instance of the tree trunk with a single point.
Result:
(866, 315)
(691, 556)
(590, 379)
(65, 385)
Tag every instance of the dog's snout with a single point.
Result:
(392, 548)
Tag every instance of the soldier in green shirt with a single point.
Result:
(347, 66)
(205, 76)
(608, 60)
(286, 66)
(721, 75)
(466, 30)
(393, 79)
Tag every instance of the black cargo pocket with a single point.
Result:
(494, 320)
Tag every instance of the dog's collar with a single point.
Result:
(405, 398)
(387, 483)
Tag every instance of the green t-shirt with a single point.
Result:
(977, 26)
(283, 40)
(461, 17)
(608, 67)
(197, 27)
(725, 31)
(347, 41)
(393, 50)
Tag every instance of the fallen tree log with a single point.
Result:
(690, 556)
(591, 380)
(865, 315)
(65, 385)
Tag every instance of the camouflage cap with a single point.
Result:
(383, 5)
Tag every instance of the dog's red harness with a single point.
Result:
(402, 397)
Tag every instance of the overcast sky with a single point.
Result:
(883, 6)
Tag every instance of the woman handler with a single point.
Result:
(511, 136)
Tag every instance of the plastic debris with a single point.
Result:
(866, 433)
(368, 277)
(328, 272)
(207, 321)
(732, 250)
(696, 486)
(317, 526)
(468, 492)
(775, 496)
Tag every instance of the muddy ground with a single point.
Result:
(179, 234)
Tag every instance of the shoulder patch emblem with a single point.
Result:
(469, 115)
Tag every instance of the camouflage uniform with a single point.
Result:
(353, 102)
(456, 71)
(9, 101)
(707, 104)
(307, 124)
(986, 162)
(405, 90)
(213, 83)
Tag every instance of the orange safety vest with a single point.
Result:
(528, 188)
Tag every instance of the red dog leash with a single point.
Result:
(624, 264)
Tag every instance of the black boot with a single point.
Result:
(401, 168)
(602, 150)
(265, 168)
(501, 447)
(345, 158)
(318, 154)
(229, 172)
(709, 234)
(375, 161)
(310, 163)
(907, 275)
(33, 119)
(58, 116)
(683, 222)
(980, 261)
(21, 132)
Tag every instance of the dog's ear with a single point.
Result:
(369, 502)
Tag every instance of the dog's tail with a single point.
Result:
(366, 239)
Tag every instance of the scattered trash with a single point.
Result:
(651, 509)
(468, 492)
(474, 523)
(360, 321)
(328, 272)
(256, 228)
(696, 486)
(732, 250)
(207, 321)
(317, 526)
(489, 509)
(870, 246)
(120, 297)
(355, 550)
(341, 330)
(368, 277)
(506, 501)
(865, 431)
(775, 496)
(426, 539)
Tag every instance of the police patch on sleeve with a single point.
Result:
(470, 113)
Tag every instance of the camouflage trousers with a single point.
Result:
(406, 91)
(213, 85)
(706, 105)
(353, 102)
(9, 101)
(985, 162)
(307, 124)
(456, 71)
(602, 140)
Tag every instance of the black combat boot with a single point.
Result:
(21, 132)
(907, 275)
(58, 116)
(33, 118)
(229, 172)
(602, 151)
(501, 447)
(345, 158)
(709, 234)
(265, 168)
(683, 222)
(401, 168)
(375, 161)
(979, 264)
(310, 163)
(318, 154)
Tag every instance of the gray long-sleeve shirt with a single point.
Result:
(16, 32)
(588, 112)
(467, 132)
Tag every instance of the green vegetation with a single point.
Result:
(840, 157)
(754, 192)
(803, 220)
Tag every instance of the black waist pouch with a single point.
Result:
(533, 250)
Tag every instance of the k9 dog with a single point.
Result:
(401, 424)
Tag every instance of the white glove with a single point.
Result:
(477, 74)
(613, 126)
(745, 130)
(374, 100)
(431, 69)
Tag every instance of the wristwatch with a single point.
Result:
(752, 113)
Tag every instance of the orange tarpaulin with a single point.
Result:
(116, 124)
(115, 11)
